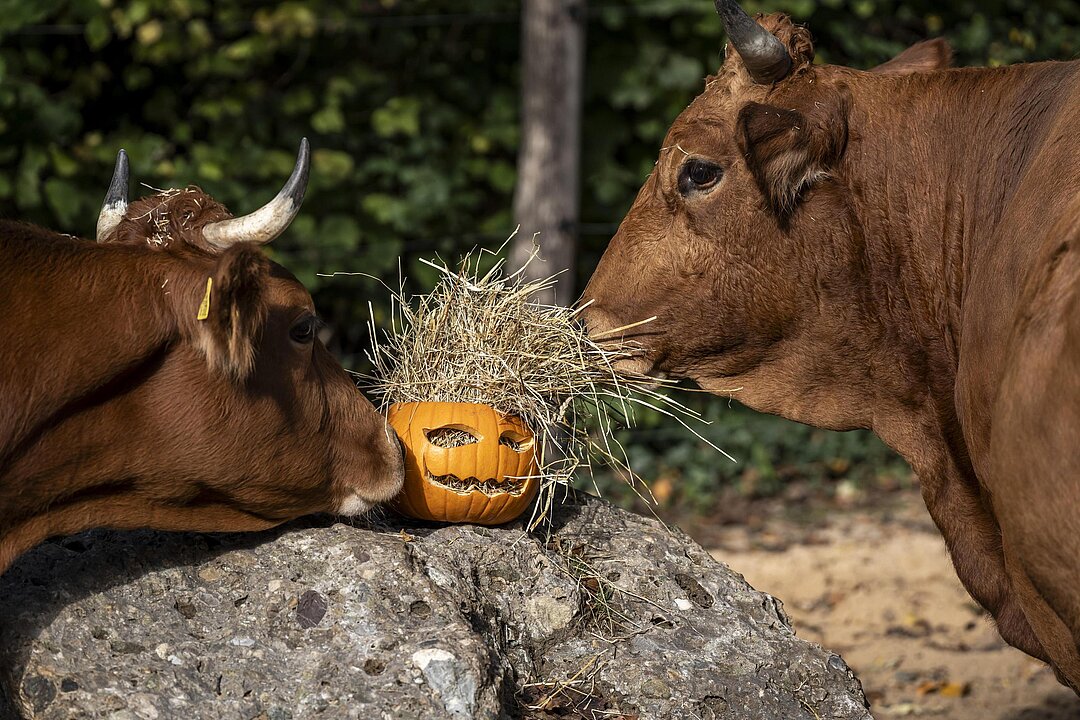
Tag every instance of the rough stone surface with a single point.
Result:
(613, 614)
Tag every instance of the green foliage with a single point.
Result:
(768, 452)
(412, 108)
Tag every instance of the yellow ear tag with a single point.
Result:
(204, 306)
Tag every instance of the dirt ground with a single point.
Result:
(872, 582)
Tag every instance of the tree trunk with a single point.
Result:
(546, 196)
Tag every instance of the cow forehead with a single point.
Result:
(699, 134)
(284, 289)
(709, 117)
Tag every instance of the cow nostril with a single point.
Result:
(598, 323)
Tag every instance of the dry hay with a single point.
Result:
(481, 338)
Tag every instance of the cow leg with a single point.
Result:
(973, 540)
(960, 508)
(1053, 632)
(1035, 461)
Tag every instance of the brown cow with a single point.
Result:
(894, 250)
(169, 376)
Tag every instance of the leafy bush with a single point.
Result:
(767, 452)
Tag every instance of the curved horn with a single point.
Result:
(764, 56)
(271, 219)
(116, 200)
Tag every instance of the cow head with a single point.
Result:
(216, 406)
(742, 242)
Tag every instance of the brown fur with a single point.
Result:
(894, 250)
(169, 220)
(122, 409)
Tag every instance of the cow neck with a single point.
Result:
(933, 162)
(88, 325)
(932, 165)
(123, 513)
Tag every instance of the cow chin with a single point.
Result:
(353, 506)
(639, 366)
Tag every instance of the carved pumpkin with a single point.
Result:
(464, 462)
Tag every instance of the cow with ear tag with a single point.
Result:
(170, 376)
(895, 249)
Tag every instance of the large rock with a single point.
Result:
(613, 614)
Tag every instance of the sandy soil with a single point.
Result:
(875, 585)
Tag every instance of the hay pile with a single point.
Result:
(482, 339)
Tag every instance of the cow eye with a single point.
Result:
(305, 329)
(698, 174)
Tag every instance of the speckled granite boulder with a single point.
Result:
(613, 614)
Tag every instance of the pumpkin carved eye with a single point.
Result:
(515, 441)
(451, 436)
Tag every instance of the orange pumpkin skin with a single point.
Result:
(487, 460)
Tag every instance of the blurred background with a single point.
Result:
(414, 110)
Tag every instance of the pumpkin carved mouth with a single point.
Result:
(491, 488)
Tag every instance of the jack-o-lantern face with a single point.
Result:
(464, 462)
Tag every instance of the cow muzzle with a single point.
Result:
(607, 332)
(383, 488)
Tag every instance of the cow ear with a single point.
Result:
(234, 308)
(925, 56)
(788, 151)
